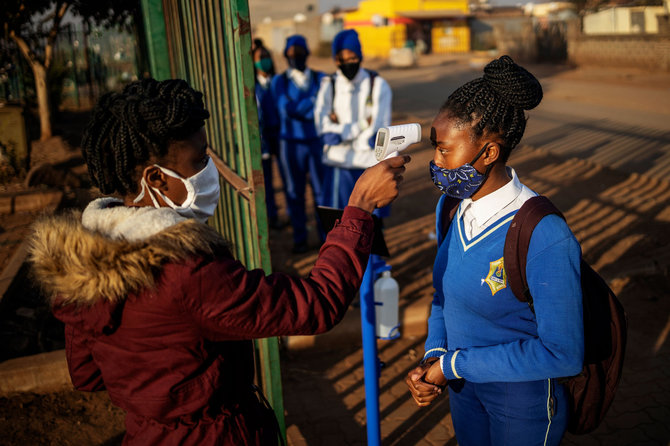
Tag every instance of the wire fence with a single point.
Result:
(87, 62)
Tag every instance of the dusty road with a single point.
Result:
(618, 118)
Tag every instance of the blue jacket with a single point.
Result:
(295, 107)
(268, 120)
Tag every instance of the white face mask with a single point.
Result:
(202, 193)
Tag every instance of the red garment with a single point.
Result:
(176, 353)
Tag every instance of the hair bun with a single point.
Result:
(513, 83)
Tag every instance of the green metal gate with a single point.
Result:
(208, 43)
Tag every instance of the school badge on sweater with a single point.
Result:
(496, 278)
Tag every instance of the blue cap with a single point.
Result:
(347, 40)
(296, 40)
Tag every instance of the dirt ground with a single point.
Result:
(622, 221)
(60, 419)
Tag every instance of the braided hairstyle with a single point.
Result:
(129, 128)
(495, 103)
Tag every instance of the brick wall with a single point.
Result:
(650, 52)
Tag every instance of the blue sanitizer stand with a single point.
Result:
(371, 363)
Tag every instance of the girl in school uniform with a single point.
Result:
(268, 123)
(500, 358)
(293, 93)
(352, 104)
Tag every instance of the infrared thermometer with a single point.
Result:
(393, 139)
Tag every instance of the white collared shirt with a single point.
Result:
(478, 215)
(301, 79)
(264, 81)
(357, 119)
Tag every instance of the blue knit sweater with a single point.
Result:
(477, 326)
(296, 107)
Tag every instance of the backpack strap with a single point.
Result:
(332, 85)
(316, 82)
(517, 242)
(373, 75)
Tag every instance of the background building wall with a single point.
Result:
(274, 34)
(378, 27)
(623, 20)
(650, 52)
(430, 5)
(378, 41)
(382, 24)
(517, 38)
(650, 20)
(451, 36)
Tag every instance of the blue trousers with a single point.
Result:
(297, 159)
(531, 413)
(338, 185)
(270, 202)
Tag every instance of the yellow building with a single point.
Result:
(436, 25)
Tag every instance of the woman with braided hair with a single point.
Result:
(498, 356)
(156, 309)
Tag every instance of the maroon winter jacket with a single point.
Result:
(164, 323)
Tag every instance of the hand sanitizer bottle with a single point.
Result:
(386, 307)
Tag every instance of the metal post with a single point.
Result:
(371, 363)
(154, 23)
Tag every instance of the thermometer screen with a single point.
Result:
(381, 138)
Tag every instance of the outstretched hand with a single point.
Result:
(422, 391)
(379, 185)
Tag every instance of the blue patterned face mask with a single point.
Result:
(461, 182)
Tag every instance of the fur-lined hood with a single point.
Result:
(111, 250)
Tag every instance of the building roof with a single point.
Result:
(433, 14)
(498, 11)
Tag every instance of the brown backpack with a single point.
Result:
(605, 323)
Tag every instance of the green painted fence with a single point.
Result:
(208, 43)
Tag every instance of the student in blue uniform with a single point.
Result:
(268, 122)
(294, 93)
(351, 106)
(500, 359)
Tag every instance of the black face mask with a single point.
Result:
(298, 62)
(350, 69)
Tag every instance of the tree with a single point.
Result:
(34, 26)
